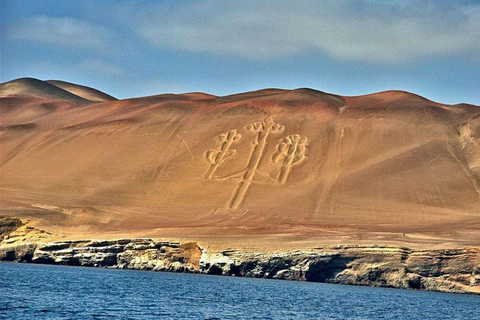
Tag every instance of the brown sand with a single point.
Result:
(82, 91)
(384, 168)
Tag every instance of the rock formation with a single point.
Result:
(455, 270)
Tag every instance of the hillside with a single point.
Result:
(82, 91)
(31, 87)
(293, 168)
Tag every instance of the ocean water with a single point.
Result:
(29, 291)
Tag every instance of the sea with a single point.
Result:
(30, 291)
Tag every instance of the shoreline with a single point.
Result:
(449, 270)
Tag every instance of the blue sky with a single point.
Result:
(348, 47)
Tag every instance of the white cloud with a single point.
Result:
(375, 31)
(64, 32)
(97, 66)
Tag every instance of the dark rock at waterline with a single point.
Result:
(456, 270)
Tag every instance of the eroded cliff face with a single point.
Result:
(456, 270)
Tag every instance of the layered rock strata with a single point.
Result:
(455, 270)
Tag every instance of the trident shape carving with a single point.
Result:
(222, 152)
(290, 152)
(264, 129)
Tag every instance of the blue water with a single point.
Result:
(55, 292)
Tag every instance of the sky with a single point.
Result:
(348, 47)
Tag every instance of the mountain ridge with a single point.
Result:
(99, 96)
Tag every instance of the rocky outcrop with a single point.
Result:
(8, 225)
(140, 254)
(456, 270)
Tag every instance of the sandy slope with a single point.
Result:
(82, 91)
(31, 87)
(390, 167)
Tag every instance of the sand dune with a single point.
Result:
(37, 88)
(82, 91)
(52, 90)
(291, 167)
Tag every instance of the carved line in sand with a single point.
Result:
(290, 152)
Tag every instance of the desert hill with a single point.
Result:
(36, 88)
(82, 91)
(52, 90)
(277, 167)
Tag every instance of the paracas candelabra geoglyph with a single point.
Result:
(290, 152)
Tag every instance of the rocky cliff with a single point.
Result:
(456, 270)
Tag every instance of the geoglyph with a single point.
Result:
(290, 152)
